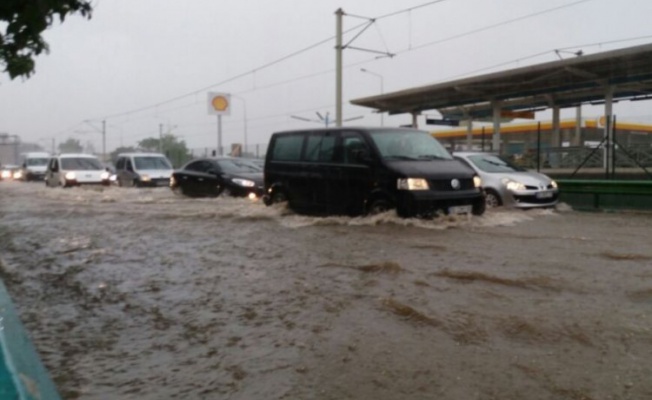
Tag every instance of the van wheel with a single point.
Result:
(492, 199)
(278, 197)
(378, 206)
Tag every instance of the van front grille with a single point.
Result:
(446, 185)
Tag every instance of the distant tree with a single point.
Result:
(22, 23)
(114, 154)
(175, 149)
(71, 146)
(150, 144)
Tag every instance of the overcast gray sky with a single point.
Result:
(141, 63)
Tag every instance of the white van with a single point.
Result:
(66, 170)
(143, 169)
(34, 165)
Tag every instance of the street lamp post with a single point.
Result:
(103, 132)
(244, 107)
(382, 89)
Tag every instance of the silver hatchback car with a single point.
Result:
(509, 185)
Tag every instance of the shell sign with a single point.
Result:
(219, 103)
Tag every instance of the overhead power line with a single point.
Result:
(262, 67)
(492, 26)
(329, 39)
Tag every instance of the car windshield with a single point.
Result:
(408, 145)
(491, 163)
(36, 162)
(238, 166)
(151, 163)
(81, 163)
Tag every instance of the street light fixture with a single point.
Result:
(382, 89)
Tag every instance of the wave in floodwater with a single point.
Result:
(162, 201)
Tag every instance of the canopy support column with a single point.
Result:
(555, 138)
(609, 147)
(469, 131)
(415, 123)
(495, 144)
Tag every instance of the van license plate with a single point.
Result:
(460, 209)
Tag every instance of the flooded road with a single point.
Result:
(141, 294)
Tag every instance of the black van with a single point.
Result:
(358, 171)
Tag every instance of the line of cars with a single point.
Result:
(350, 171)
(32, 167)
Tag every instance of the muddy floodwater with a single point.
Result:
(141, 294)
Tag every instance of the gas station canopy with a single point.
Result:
(624, 74)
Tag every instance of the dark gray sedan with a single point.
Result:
(507, 184)
(215, 176)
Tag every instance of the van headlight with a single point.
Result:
(145, 178)
(105, 175)
(513, 186)
(477, 182)
(70, 176)
(243, 182)
(412, 184)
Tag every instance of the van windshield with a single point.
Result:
(151, 163)
(409, 145)
(36, 162)
(81, 164)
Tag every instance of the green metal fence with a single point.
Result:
(606, 194)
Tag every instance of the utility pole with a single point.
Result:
(338, 67)
(160, 138)
(104, 140)
(219, 135)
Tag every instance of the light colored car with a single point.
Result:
(143, 169)
(67, 170)
(34, 165)
(10, 172)
(509, 185)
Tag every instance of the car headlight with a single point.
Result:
(105, 175)
(513, 186)
(477, 182)
(6, 174)
(243, 182)
(18, 175)
(553, 184)
(70, 176)
(145, 178)
(412, 184)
